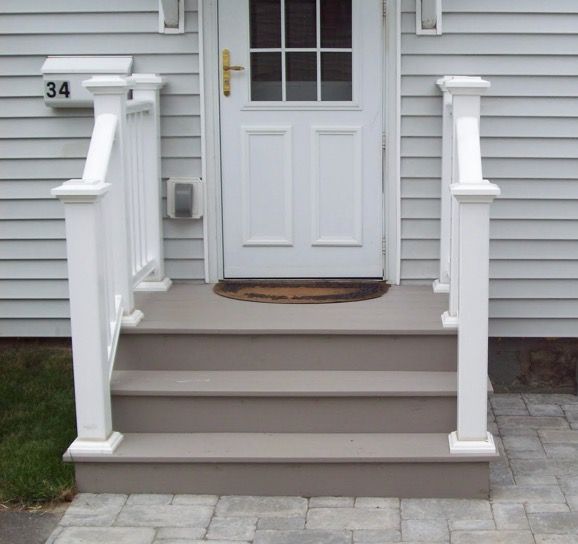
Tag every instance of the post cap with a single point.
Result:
(145, 81)
(106, 85)
(475, 192)
(464, 85)
(80, 191)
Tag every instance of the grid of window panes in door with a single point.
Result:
(301, 50)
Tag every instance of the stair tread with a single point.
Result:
(305, 383)
(196, 309)
(283, 448)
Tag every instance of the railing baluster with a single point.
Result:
(442, 284)
(141, 191)
(129, 190)
(134, 196)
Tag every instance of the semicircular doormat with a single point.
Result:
(301, 292)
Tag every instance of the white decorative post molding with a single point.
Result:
(442, 284)
(90, 311)
(473, 196)
(146, 87)
(110, 97)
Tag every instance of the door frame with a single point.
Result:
(209, 69)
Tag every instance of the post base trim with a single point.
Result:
(440, 287)
(471, 447)
(82, 447)
(154, 286)
(132, 320)
(449, 321)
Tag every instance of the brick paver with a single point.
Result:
(534, 500)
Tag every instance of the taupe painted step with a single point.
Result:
(307, 464)
(195, 309)
(277, 383)
(284, 401)
(191, 328)
(287, 352)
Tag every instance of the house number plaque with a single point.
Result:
(57, 89)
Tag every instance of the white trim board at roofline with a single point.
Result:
(211, 152)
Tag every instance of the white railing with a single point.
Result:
(114, 242)
(464, 257)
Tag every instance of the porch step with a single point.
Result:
(278, 383)
(315, 351)
(284, 401)
(192, 328)
(304, 464)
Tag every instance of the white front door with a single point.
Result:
(301, 133)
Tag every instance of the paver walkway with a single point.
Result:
(534, 500)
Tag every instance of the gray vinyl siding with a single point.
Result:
(40, 147)
(528, 50)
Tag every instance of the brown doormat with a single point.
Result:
(301, 292)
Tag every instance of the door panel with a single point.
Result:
(301, 138)
(337, 186)
(267, 207)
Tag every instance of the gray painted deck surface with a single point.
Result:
(196, 309)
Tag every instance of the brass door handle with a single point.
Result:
(227, 69)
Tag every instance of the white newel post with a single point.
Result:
(442, 284)
(110, 96)
(147, 87)
(89, 314)
(473, 196)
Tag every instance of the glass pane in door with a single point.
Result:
(265, 23)
(301, 76)
(336, 23)
(336, 77)
(266, 82)
(300, 23)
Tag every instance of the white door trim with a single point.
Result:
(392, 131)
(211, 137)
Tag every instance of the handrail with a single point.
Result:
(100, 149)
(468, 151)
(465, 240)
(114, 242)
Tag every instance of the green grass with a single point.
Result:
(36, 424)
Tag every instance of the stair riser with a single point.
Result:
(284, 415)
(415, 480)
(287, 352)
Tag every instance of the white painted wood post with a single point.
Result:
(110, 96)
(474, 196)
(147, 87)
(442, 284)
(89, 314)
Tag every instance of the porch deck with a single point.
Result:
(194, 309)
